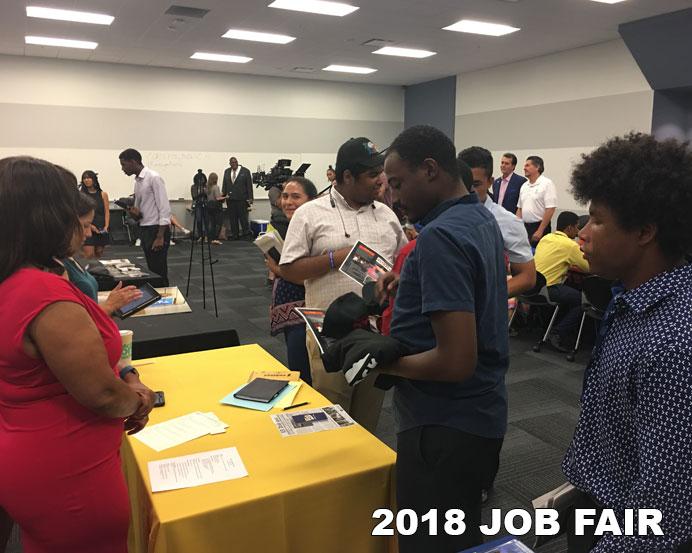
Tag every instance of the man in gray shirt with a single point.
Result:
(152, 210)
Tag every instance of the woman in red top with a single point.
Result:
(62, 403)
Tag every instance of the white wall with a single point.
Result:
(82, 114)
(557, 106)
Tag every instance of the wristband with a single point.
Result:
(126, 370)
(331, 259)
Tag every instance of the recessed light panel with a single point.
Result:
(208, 56)
(315, 6)
(404, 52)
(239, 34)
(61, 42)
(481, 28)
(349, 69)
(69, 15)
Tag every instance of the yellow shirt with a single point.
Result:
(555, 254)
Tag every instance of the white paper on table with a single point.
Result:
(179, 430)
(197, 469)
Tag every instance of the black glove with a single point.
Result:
(345, 314)
(360, 352)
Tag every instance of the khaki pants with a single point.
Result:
(362, 401)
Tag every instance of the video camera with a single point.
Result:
(199, 187)
(126, 203)
(278, 174)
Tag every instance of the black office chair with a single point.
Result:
(595, 296)
(538, 296)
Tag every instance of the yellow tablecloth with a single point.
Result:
(311, 493)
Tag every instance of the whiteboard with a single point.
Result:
(176, 168)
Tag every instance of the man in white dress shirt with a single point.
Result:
(537, 200)
(152, 210)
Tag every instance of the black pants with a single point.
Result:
(237, 213)
(214, 223)
(533, 227)
(443, 468)
(157, 261)
(570, 305)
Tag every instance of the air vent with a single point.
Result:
(377, 43)
(303, 69)
(185, 11)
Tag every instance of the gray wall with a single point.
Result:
(431, 103)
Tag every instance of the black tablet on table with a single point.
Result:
(149, 296)
(262, 390)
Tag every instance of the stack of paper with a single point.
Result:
(196, 469)
(177, 431)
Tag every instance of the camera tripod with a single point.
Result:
(200, 222)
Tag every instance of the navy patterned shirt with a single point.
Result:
(632, 448)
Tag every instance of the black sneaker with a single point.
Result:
(557, 343)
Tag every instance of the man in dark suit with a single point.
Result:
(237, 186)
(506, 189)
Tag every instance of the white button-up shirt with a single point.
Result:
(535, 198)
(151, 199)
(513, 233)
(317, 228)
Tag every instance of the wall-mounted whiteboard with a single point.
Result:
(176, 168)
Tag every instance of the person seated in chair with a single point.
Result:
(555, 254)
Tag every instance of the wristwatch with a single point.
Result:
(126, 370)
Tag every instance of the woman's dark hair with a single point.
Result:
(420, 142)
(38, 214)
(642, 181)
(306, 184)
(94, 177)
(85, 204)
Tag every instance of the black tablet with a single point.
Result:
(262, 390)
(149, 296)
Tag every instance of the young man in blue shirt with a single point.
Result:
(451, 312)
(631, 447)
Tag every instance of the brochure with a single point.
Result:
(314, 319)
(312, 420)
(363, 264)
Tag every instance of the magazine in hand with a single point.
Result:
(271, 244)
(314, 319)
(363, 264)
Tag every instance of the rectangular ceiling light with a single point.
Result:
(404, 52)
(62, 42)
(219, 57)
(69, 15)
(481, 28)
(315, 6)
(608, 1)
(258, 37)
(349, 69)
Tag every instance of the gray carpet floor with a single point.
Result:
(543, 387)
